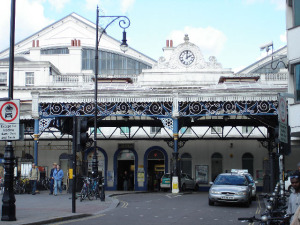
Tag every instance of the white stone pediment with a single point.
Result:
(198, 61)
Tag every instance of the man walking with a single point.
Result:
(34, 176)
(294, 199)
(58, 175)
(52, 178)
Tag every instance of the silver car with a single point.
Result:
(230, 187)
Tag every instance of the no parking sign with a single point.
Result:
(10, 120)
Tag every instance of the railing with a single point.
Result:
(276, 76)
(80, 79)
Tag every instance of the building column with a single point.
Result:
(175, 152)
(36, 140)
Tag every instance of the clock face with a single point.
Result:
(186, 57)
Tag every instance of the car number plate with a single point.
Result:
(226, 197)
(167, 181)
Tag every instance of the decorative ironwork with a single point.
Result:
(181, 143)
(167, 122)
(44, 123)
(159, 109)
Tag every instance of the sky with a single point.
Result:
(230, 30)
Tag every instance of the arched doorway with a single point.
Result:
(155, 170)
(216, 165)
(247, 162)
(186, 163)
(102, 162)
(126, 162)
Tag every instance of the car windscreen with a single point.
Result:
(166, 176)
(231, 180)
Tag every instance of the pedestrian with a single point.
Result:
(294, 199)
(125, 181)
(58, 175)
(34, 177)
(52, 178)
(298, 166)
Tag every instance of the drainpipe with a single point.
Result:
(36, 140)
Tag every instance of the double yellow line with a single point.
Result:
(258, 209)
(124, 204)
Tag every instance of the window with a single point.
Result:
(124, 130)
(52, 51)
(155, 130)
(29, 78)
(185, 130)
(216, 130)
(98, 130)
(297, 82)
(247, 130)
(111, 63)
(296, 12)
(3, 78)
(186, 163)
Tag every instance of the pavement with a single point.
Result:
(43, 208)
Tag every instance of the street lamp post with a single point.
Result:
(124, 23)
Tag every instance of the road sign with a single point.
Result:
(283, 132)
(282, 109)
(10, 120)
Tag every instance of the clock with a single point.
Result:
(186, 57)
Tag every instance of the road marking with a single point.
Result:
(124, 204)
(78, 220)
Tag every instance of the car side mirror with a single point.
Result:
(211, 183)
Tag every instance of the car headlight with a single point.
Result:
(215, 192)
(242, 193)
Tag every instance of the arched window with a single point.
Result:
(216, 165)
(247, 162)
(186, 163)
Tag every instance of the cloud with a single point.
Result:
(91, 4)
(210, 40)
(126, 5)
(58, 5)
(283, 37)
(29, 19)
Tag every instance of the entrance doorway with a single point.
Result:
(156, 168)
(216, 165)
(126, 162)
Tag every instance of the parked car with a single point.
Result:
(250, 180)
(230, 188)
(187, 182)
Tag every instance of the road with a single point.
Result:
(166, 208)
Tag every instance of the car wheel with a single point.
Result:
(210, 202)
(254, 198)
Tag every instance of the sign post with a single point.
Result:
(10, 120)
(282, 118)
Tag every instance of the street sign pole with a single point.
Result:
(8, 206)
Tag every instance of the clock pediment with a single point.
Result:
(187, 56)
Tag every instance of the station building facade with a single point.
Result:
(182, 108)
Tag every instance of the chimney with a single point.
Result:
(167, 44)
(72, 42)
(79, 43)
(37, 43)
(75, 42)
(171, 43)
(33, 43)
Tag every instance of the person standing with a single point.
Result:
(125, 181)
(294, 199)
(58, 175)
(34, 177)
(52, 178)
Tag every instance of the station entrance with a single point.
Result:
(156, 169)
(126, 162)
